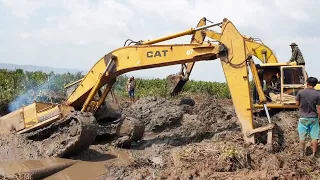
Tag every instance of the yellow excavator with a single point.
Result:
(292, 77)
(66, 129)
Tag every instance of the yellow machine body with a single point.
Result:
(234, 50)
(32, 117)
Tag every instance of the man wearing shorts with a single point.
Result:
(131, 87)
(308, 99)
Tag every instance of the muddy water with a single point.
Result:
(81, 170)
(58, 168)
(36, 168)
(84, 170)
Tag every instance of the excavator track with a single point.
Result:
(68, 136)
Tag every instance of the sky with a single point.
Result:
(77, 33)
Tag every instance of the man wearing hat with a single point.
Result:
(296, 55)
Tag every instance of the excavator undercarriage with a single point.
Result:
(65, 132)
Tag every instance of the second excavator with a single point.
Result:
(66, 129)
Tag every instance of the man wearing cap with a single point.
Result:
(296, 55)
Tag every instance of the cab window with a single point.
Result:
(293, 75)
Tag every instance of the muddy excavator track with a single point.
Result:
(68, 136)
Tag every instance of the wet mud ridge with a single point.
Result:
(200, 138)
(190, 138)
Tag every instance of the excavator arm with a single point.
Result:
(255, 47)
(132, 58)
(143, 55)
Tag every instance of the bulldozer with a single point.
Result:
(67, 129)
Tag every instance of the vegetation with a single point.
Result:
(21, 88)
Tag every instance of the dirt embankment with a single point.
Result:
(196, 138)
(205, 142)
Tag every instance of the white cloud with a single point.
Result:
(24, 35)
(297, 10)
(23, 8)
(84, 30)
(85, 23)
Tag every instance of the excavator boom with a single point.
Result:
(138, 57)
(252, 46)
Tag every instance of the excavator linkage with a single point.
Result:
(176, 82)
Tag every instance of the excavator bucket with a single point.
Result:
(176, 82)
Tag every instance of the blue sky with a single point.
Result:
(77, 33)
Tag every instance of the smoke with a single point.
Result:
(34, 93)
(20, 101)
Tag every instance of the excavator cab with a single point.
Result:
(291, 79)
(294, 78)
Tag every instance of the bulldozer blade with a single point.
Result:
(175, 84)
(34, 169)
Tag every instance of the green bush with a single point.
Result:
(20, 88)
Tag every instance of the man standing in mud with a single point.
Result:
(308, 99)
(131, 87)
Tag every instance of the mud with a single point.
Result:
(156, 113)
(190, 138)
(17, 147)
(35, 169)
(206, 143)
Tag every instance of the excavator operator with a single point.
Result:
(297, 56)
(275, 84)
(273, 89)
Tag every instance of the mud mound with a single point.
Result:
(183, 121)
(208, 144)
(207, 118)
(156, 113)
